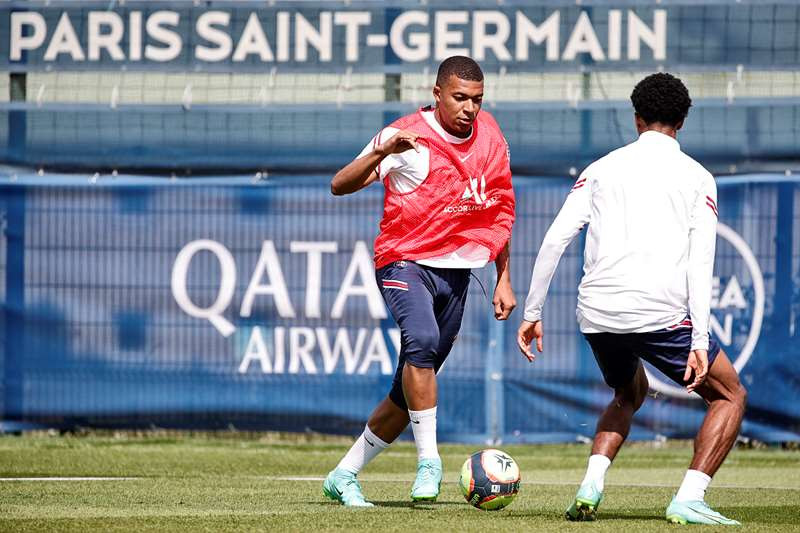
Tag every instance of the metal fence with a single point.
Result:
(300, 86)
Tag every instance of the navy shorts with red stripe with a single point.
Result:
(427, 303)
(667, 349)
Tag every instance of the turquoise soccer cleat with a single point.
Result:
(696, 512)
(584, 507)
(343, 487)
(429, 480)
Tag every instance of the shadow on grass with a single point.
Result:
(420, 506)
(747, 515)
(637, 514)
(763, 514)
(602, 516)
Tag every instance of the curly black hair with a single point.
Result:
(463, 67)
(661, 98)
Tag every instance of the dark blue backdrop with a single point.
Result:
(108, 285)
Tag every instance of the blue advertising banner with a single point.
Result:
(205, 303)
(532, 36)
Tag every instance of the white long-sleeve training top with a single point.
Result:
(651, 212)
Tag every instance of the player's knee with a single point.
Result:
(642, 386)
(628, 397)
(633, 394)
(421, 349)
(639, 399)
(734, 394)
(740, 396)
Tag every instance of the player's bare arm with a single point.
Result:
(362, 171)
(504, 301)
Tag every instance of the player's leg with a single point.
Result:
(385, 424)
(451, 287)
(406, 295)
(393, 414)
(615, 421)
(726, 398)
(388, 420)
(409, 290)
(623, 372)
(419, 382)
(668, 350)
(420, 392)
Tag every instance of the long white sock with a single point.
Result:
(423, 424)
(363, 450)
(693, 487)
(596, 471)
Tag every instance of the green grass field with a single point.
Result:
(245, 482)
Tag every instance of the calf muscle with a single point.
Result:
(726, 399)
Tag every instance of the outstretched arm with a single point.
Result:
(702, 242)
(574, 214)
(362, 171)
(504, 300)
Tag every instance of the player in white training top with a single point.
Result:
(651, 212)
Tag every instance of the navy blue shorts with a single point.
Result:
(667, 349)
(427, 303)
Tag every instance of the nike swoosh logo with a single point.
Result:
(415, 421)
(368, 442)
(464, 159)
(709, 516)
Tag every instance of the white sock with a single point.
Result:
(596, 471)
(363, 450)
(693, 487)
(423, 424)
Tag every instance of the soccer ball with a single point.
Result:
(489, 480)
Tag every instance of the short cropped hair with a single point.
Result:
(661, 98)
(463, 67)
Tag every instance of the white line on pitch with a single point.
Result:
(395, 480)
(67, 478)
(551, 483)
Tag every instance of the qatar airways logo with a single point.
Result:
(268, 348)
(737, 304)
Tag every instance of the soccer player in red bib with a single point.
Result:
(651, 212)
(448, 208)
